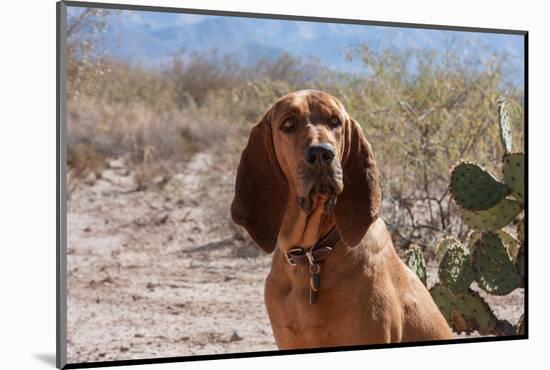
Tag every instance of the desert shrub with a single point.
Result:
(418, 123)
(296, 71)
(83, 158)
(196, 76)
(86, 50)
(142, 133)
(129, 85)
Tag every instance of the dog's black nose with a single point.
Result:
(318, 154)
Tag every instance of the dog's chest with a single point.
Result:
(337, 317)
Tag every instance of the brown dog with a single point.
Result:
(307, 189)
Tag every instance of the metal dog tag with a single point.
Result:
(312, 296)
(314, 283)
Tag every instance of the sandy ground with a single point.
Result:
(159, 273)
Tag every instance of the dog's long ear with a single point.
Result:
(261, 190)
(358, 205)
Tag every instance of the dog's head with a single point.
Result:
(308, 148)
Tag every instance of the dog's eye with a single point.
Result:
(288, 125)
(335, 122)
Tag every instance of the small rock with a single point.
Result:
(235, 337)
(107, 280)
(90, 178)
(159, 180)
(124, 172)
(160, 219)
(117, 163)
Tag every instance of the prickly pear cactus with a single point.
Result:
(466, 311)
(513, 169)
(494, 218)
(494, 270)
(455, 269)
(442, 247)
(474, 188)
(416, 262)
(504, 124)
(495, 254)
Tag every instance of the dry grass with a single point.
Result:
(154, 142)
(419, 127)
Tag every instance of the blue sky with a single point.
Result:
(150, 38)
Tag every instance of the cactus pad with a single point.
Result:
(464, 311)
(455, 270)
(513, 168)
(442, 247)
(493, 218)
(504, 121)
(417, 263)
(474, 188)
(494, 271)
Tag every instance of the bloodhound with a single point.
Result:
(307, 190)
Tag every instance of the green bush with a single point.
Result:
(419, 123)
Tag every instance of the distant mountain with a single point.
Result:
(152, 38)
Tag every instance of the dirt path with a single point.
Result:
(158, 273)
(151, 275)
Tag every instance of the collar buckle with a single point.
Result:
(313, 257)
(309, 255)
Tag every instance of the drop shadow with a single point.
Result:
(47, 358)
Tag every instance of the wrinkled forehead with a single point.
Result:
(310, 104)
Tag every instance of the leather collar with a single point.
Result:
(313, 256)
(321, 250)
